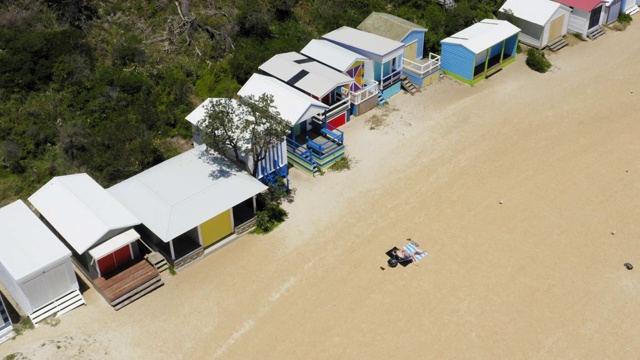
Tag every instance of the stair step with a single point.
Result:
(595, 33)
(137, 293)
(634, 11)
(558, 44)
(59, 306)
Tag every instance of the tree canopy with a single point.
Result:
(103, 86)
(243, 128)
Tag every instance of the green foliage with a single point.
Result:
(82, 89)
(537, 61)
(342, 164)
(271, 213)
(625, 19)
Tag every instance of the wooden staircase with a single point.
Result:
(129, 284)
(58, 306)
(557, 44)
(634, 11)
(595, 33)
(158, 261)
(408, 86)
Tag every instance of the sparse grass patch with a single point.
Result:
(14, 356)
(52, 320)
(376, 121)
(172, 270)
(22, 326)
(342, 164)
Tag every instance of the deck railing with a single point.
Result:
(391, 79)
(338, 108)
(430, 66)
(369, 90)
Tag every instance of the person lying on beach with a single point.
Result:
(404, 255)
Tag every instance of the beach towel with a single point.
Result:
(411, 248)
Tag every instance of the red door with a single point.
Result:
(115, 259)
(339, 120)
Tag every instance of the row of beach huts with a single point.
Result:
(121, 238)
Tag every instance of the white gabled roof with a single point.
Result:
(114, 244)
(201, 111)
(371, 43)
(81, 210)
(293, 105)
(483, 35)
(304, 73)
(331, 54)
(535, 11)
(185, 191)
(27, 246)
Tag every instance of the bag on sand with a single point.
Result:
(392, 263)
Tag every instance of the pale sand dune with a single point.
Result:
(538, 276)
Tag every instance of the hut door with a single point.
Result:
(411, 51)
(115, 259)
(594, 19)
(555, 28)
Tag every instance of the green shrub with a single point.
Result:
(271, 213)
(625, 19)
(536, 61)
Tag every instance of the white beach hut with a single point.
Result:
(541, 22)
(190, 202)
(586, 17)
(99, 231)
(35, 267)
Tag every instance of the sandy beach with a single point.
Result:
(513, 187)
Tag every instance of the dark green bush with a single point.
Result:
(625, 19)
(536, 61)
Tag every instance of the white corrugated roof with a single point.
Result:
(483, 35)
(201, 111)
(81, 210)
(535, 11)
(310, 76)
(368, 42)
(114, 244)
(27, 246)
(293, 105)
(183, 192)
(331, 54)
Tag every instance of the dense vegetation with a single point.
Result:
(103, 86)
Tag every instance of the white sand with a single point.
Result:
(538, 276)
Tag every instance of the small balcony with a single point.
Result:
(369, 90)
(316, 149)
(423, 67)
(390, 79)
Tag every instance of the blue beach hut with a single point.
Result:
(480, 50)
(414, 64)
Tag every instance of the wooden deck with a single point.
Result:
(128, 284)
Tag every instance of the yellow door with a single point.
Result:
(411, 51)
(216, 228)
(555, 28)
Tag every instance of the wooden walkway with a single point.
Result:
(128, 282)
